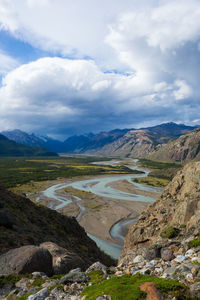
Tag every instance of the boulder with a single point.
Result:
(195, 286)
(41, 295)
(167, 254)
(63, 259)
(97, 266)
(154, 251)
(138, 259)
(26, 259)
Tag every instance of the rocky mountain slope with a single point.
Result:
(141, 142)
(185, 148)
(23, 223)
(24, 138)
(171, 219)
(11, 148)
(92, 142)
(123, 142)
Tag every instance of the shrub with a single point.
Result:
(9, 279)
(195, 242)
(170, 232)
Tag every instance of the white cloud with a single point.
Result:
(56, 94)
(7, 63)
(155, 42)
(8, 15)
(184, 91)
(166, 26)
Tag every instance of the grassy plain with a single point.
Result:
(161, 173)
(16, 171)
(152, 180)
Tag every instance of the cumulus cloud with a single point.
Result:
(58, 95)
(184, 91)
(154, 47)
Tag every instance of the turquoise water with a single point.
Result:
(100, 187)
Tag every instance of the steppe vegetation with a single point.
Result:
(161, 173)
(17, 171)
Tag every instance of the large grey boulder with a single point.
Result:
(26, 259)
(97, 266)
(41, 295)
(63, 259)
(167, 254)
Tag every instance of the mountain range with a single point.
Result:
(184, 148)
(119, 142)
(11, 148)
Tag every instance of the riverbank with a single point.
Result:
(105, 205)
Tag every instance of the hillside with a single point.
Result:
(141, 142)
(119, 142)
(11, 148)
(21, 224)
(185, 148)
(171, 219)
(24, 138)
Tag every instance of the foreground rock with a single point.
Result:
(26, 259)
(122, 282)
(63, 259)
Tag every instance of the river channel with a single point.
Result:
(100, 186)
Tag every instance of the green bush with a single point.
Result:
(170, 232)
(96, 276)
(9, 279)
(195, 243)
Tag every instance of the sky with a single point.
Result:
(72, 67)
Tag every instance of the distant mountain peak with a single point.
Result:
(129, 142)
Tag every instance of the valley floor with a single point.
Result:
(96, 210)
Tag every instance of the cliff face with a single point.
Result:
(138, 142)
(174, 215)
(135, 143)
(185, 148)
(22, 222)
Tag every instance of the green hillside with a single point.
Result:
(11, 148)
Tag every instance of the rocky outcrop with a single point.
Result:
(63, 259)
(173, 217)
(138, 142)
(27, 223)
(185, 148)
(26, 259)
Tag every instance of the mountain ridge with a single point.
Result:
(11, 148)
(184, 148)
(119, 142)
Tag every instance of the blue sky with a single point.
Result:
(75, 67)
